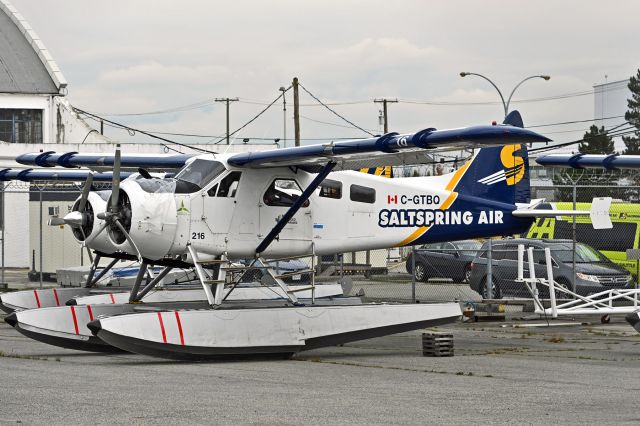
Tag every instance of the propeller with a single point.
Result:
(80, 219)
(118, 211)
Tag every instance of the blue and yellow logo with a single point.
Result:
(513, 164)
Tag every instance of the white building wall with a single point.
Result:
(16, 218)
(610, 100)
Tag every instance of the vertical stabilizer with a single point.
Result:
(499, 173)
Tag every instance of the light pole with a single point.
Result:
(505, 104)
(284, 109)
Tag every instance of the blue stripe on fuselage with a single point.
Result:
(465, 203)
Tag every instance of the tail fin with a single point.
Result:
(498, 173)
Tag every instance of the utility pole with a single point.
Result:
(284, 109)
(384, 102)
(296, 111)
(227, 101)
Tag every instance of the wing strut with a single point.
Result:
(295, 207)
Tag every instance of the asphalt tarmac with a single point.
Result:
(577, 374)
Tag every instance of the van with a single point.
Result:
(613, 243)
(594, 272)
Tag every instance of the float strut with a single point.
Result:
(154, 282)
(141, 273)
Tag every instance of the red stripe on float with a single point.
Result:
(75, 320)
(37, 298)
(113, 299)
(55, 293)
(90, 313)
(180, 328)
(164, 334)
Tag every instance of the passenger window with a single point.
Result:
(229, 185)
(283, 193)
(362, 194)
(331, 189)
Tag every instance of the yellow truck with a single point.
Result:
(613, 243)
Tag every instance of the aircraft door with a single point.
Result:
(276, 200)
(219, 204)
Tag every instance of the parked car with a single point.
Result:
(288, 268)
(444, 260)
(594, 271)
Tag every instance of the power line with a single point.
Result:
(334, 112)
(327, 123)
(254, 118)
(131, 129)
(575, 121)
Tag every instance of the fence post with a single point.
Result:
(413, 274)
(489, 281)
(2, 203)
(41, 237)
(573, 237)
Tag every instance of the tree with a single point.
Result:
(633, 116)
(596, 141)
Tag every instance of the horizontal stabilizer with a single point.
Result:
(599, 213)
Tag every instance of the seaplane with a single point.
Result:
(277, 204)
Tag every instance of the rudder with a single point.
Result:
(499, 173)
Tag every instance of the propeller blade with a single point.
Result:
(84, 238)
(56, 221)
(128, 237)
(85, 193)
(90, 240)
(115, 183)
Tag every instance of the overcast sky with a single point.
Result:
(138, 56)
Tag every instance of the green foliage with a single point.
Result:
(596, 141)
(633, 116)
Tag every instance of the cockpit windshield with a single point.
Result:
(200, 172)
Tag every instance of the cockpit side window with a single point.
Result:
(229, 185)
(200, 172)
(212, 192)
(283, 193)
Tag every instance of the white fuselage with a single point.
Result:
(348, 215)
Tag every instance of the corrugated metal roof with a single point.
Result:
(26, 66)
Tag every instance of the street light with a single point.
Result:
(284, 109)
(505, 104)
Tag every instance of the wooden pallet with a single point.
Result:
(437, 344)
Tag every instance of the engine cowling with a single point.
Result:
(96, 204)
(150, 218)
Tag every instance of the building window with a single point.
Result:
(21, 125)
(362, 194)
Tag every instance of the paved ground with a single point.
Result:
(568, 375)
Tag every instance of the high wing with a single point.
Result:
(583, 161)
(100, 160)
(389, 149)
(30, 175)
